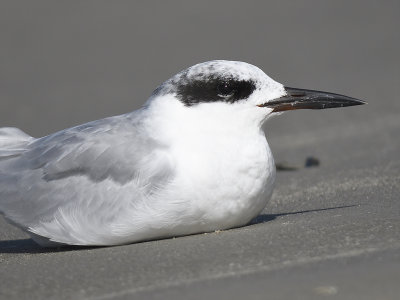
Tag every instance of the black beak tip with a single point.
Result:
(348, 101)
(359, 102)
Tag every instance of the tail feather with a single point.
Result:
(13, 141)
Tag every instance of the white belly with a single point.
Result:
(226, 188)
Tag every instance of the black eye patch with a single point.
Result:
(214, 89)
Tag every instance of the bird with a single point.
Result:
(192, 159)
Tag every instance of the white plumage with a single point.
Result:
(179, 165)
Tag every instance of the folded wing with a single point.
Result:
(71, 186)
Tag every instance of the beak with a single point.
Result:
(309, 99)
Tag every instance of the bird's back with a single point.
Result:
(82, 185)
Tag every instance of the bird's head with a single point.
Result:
(221, 94)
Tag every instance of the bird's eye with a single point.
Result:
(225, 89)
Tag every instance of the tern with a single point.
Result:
(193, 159)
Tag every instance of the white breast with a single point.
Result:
(227, 181)
(224, 170)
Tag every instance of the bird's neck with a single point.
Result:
(173, 122)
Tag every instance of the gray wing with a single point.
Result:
(108, 165)
(116, 148)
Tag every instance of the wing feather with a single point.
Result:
(109, 165)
